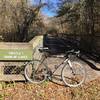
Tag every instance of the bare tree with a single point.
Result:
(17, 18)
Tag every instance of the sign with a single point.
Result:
(15, 51)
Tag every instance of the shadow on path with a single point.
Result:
(90, 64)
(56, 79)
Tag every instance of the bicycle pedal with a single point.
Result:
(49, 73)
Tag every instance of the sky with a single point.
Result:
(50, 12)
(47, 10)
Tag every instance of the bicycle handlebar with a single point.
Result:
(73, 52)
(42, 49)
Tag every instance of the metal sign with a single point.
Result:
(15, 51)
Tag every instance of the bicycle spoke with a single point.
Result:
(37, 73)
(73, 76)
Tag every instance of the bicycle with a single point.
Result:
(73, 74)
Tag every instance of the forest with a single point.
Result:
(77, 21)
(20, 20)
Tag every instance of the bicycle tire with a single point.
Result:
(68, 73)
(37, 72)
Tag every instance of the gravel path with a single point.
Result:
(92, 69)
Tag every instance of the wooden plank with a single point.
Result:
(2, 68)
(14, 45)
(1, 72)
(6, 78)
(37, 42)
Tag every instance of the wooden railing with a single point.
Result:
(29, 48)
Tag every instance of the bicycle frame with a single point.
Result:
(63, 62)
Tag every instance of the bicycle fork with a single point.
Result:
(70, 65)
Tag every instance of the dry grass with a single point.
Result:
(50, 91)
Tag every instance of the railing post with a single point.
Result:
(1, 72)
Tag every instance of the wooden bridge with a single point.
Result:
(21, 52)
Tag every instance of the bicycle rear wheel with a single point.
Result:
(73, 76)
(36, 71)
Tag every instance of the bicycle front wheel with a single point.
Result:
(73, 75)
(36, 71)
